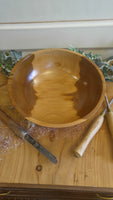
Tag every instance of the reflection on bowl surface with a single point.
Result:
(56, 87)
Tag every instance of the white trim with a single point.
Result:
(86, 34)
(46, 25)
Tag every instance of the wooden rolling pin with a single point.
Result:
(93, 129)
(109, 116)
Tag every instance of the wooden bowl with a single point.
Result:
(56, 87)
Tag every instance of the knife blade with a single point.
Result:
(42, 149)
(22, 133)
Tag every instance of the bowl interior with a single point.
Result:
(56, 88)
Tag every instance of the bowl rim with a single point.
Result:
(63, 125)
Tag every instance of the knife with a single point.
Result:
(22, 133)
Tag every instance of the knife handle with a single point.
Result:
(93, 129)
(16, 128)
(109, 116)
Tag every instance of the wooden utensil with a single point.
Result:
(22, 133)
(109, 116)
(93, 129)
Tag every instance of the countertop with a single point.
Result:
(24, 165)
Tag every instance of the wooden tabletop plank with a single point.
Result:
(22, 164)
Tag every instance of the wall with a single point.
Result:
(35, 24)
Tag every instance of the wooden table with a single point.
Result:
(27, 174)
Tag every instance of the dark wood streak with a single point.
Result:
(18, 84)
(28, 192)
(4, 84)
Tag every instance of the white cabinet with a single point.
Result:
(35, 24)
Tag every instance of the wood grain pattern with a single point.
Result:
(94, 169)
(56, 87)
(38, 192)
